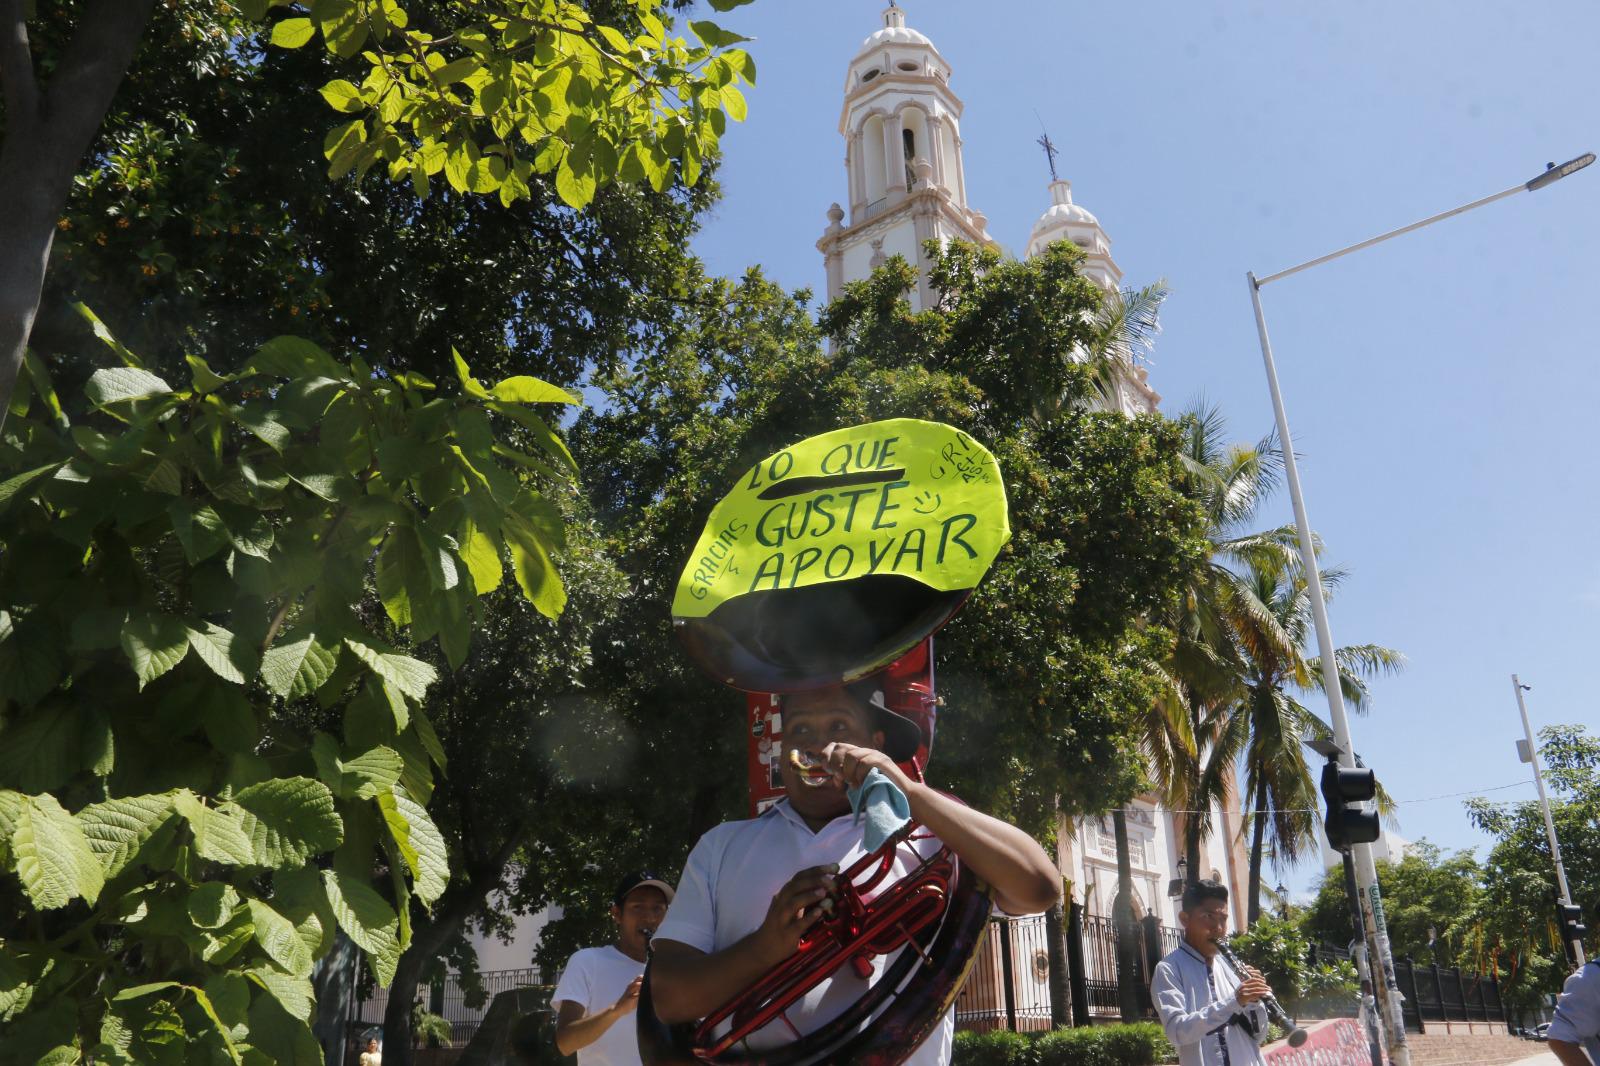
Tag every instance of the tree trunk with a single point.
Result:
(1258, 835)
(333, 981)
(1055, 942)
(1127, 930)
(428, 938)
(48, 130)
(1191, 849)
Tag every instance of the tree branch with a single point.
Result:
(91, 69)
(16, 65)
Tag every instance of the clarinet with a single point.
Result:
(1275, 1011)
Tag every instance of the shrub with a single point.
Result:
(998, 1048)
(1080, 1047)
(1279, 949)
(1139, 1044)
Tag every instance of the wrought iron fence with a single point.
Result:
(1448, 994)
(1009, 986)
(1428, 993)
(1153, 942)
(462, 1008)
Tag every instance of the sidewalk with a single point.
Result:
(1544, 1058)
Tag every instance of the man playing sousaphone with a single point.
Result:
(753, 890)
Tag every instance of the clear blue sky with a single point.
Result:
(1441, 387)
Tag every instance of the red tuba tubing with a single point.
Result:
(888, 1023)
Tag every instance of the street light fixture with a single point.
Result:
(1366, 873)
(1176, 886)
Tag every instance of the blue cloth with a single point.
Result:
(883, 804)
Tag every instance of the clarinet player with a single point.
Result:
(1214, 1015)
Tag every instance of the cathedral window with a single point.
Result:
(908, 66)
(909, 139)
(869, 75)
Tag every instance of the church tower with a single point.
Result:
(902, 132)
(1064, 220)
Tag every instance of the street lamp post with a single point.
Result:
(1376, 931)
(1576, 946)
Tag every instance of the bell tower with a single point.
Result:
(901, 125)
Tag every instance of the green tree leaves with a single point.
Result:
(119, 384)
(116, 829)
(52, 856)
(366, 918)
(187, 596)
(288, 820)
(517, 88)
(154, 643)
(293, 33)
(298, 667)
(279, 939)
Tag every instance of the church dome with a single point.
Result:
(895, 33)
(1060, 214)
(901, 34)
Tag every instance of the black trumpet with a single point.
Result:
(1275, 1011)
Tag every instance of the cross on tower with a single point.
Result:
(1050, 153)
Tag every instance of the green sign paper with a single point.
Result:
(906, 497)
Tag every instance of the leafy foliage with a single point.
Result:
(211, 742)
(1135, 1044)
(519, 88)
(1271, 623)
(201, 223)
(209, 174)
(429, 1029)
(1279, 948)
(1045, 669)
(1514, 928)
(1427, 896)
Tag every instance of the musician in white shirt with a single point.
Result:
(751, 889)
(1212, 1014)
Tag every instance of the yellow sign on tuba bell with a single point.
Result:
(826, 556)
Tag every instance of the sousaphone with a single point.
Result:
(831, 561)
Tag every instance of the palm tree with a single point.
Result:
(1196, 733)
(1190, 737)
(1277, 776)
(1125, 329)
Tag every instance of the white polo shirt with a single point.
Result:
(728, 884)
(1577, 1019)
(595, 979)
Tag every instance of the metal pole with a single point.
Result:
(1376, 933)
(1380, 238)
(1550, 176)
(1006, 974)
(1544, 805)
(1353, 894)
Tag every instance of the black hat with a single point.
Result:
(901, 736)
(639, 879)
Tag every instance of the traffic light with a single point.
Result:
(1347, 822)
(1569, 917)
